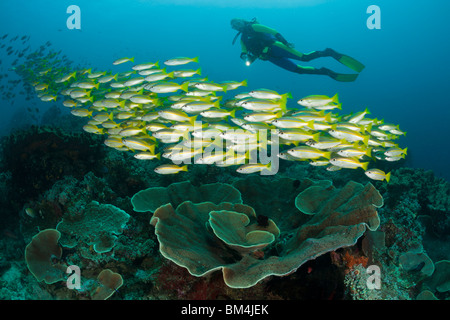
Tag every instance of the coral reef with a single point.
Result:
(257, 226)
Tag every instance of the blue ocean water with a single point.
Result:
(405, 81)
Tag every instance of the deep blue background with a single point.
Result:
(406, 80)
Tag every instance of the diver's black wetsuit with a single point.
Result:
(265, 43)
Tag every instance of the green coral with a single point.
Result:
(98, 225)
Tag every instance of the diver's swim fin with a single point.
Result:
(344, 77)
(337, 76)
(345, 60)
(351, 63)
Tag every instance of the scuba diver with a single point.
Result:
(261, 42)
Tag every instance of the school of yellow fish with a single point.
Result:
(168, 111)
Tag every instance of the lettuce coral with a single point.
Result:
(188, 235)
(42, 255)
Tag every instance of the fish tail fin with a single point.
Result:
(171, 75)
(192, 120)
(244, 83)
(335, 98)
(311, 124)
(366, 140)
(132, 59)
(364, 165)
(405, 150)
(328, 117)
(158, 156)
(233, 113)
(184, 86)
(388, 177)
(184, 168)
(199, 71)
(327, 155)
(157, 64)
(316, 136)
(195, 59)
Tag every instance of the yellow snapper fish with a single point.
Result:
(145, 66)
(312, 116)
(170, 169)
(107, 78)
(314, 101)
(123, 60)
(176, 115)
(48, 97)
(218, 113)
(147, 156)
(269, 94)
(377, 174)
(357, 117)
(166, 87)
(323, 143)
(264, 104)
(210, 86)
(132, 131)
(93, 129)
(353, 152)
(348, 163)
(231, 85)
(66, 77)
(199, 106)
(395, 152)
(158, 76)
(81, 112)
(289, 123)
(297, 135)
(306, 152)
(262, 116)
(138, 144)
(134, 81)
(349, 135)
(114, 142)
(70, 103)
(186, 73)
(253, 167)
(97, 74)
(180, 61)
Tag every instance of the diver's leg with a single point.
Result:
(280, 50)
(342, 58)
(291, 66)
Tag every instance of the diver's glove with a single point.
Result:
(280, 38)
(244, 56)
